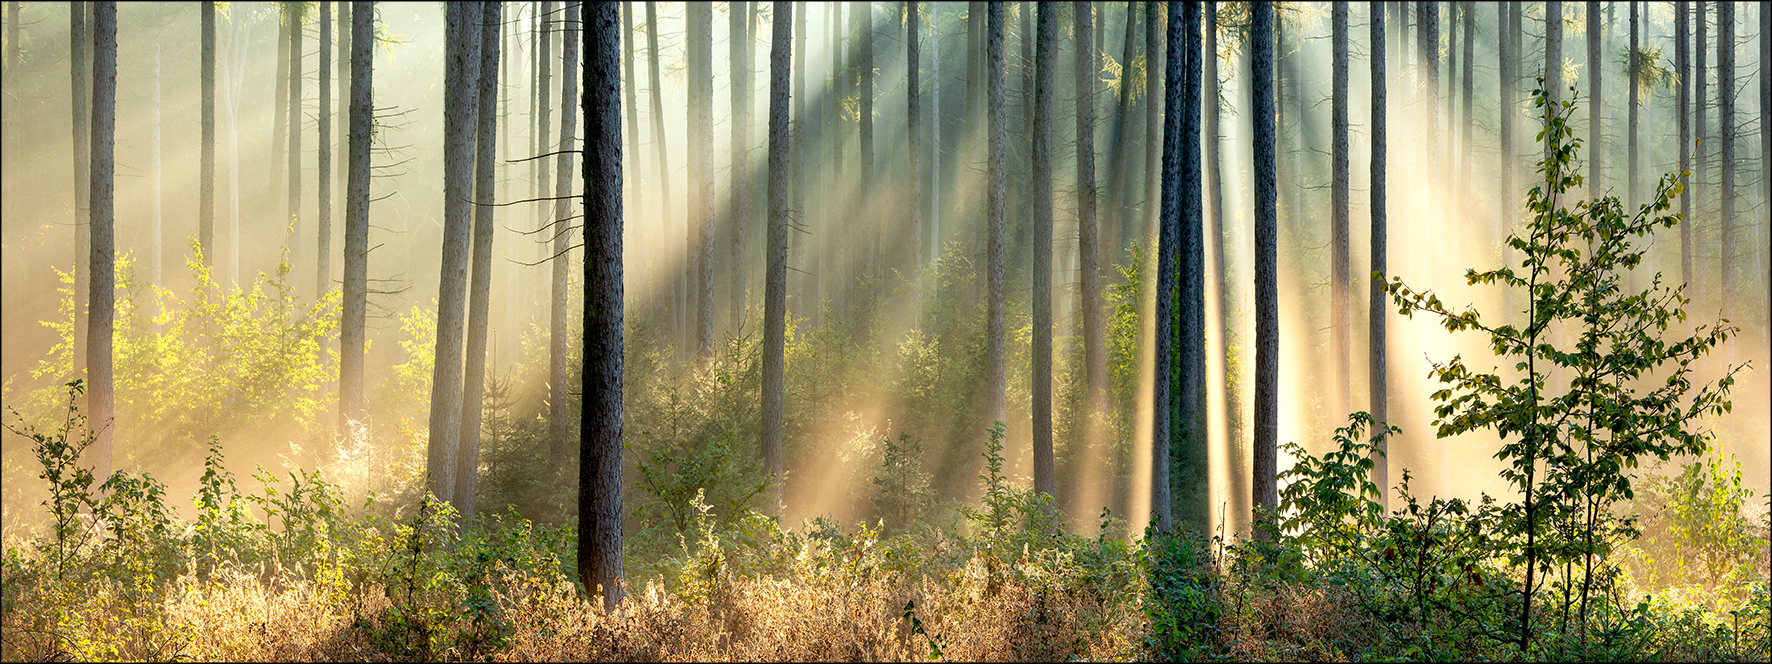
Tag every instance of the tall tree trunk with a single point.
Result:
(1045, 56)
(1632, 198)
(699, 45)
(467, 466)
(1163, 366)
(323, 250)
(803, 306)
(1596, 71)
(280, 111)
(79, 40)
(1339, 281)
(155, 205)
(1191, 483)
(838, 200)
(1764, 38)
(995, 130)
(1683, 109)
(356, 276)
(206, 166)
(1120, 142)
(1504, 13)
(341, 137)
(599, 488)
(680, 280)
(775, 286)
(1726, 139)
(102, 263)
(236, 67)
(631, 106)
(544, 182)
(1267, 310)
(292, 222)
(738, 222)
(913, 116)
(865, 24)
(1430, 59)
(1219, 243)
(1553, 49)
(1088, 235)
(1460, 183)
(561, 231)
(935, 181)
(1702, 133)
(1153, 54)
(1377, 381)
(462, 59)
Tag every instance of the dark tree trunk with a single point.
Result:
(323, 249)
(206, 167)
(1726, 139)
(865, 24)
(1163, 366)
(738, 221)
(699, 47)
(775, 286)
(600, 422)
(1045, 56)
(1339, 281)
(994, 191)
(1377, 381)
(462, 58)
(1267, 310)
(1120, 142)
(680, 280)
(1088, 234)
(1596, 71)
(467, 465)
(356, 276)
(1683, 106)
(914, 116)
(1153, 55)
(103, 260)
(559, 325)
(1191, 482)
(1633, 196)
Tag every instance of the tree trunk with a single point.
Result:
(561, 231)
(699, 45)
(544, 182)
(1121, 144)
(1220, 244)
(599, 488)
(631, 106)
(79, 40)
(1460, 183)
(836, 197)
(356, 276)
(797, 235)
(462, 59)
(1339, 280)
(1596, 71)
(280, 111)
(292, 222)
(913, 114)
(680, 280)
(467, 466)
(103, 260)
(1045, 55)
(865, 23)
(775, 286)
(935, 181)
(1553, 49)
(1633, 196)
(1377, 382)
(995, 133)
(1764, 39)
(155, 171)
(206, 165)
(1683, 109)
(235, 80)
(1699, 193)
(323, 250)
(341, 137)
(1508, 109)
(738, 222)
(1153, 56)
(1191, 483)
(1163, 372)
(1088, 236)
(1267, 310)
(1726, 139)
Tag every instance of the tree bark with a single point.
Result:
(1339, 281)
(995, 131)
(738, 221)
(467, 465)
(865, 24)
(462, 59)
(1045, 55)
(775, 286)
(599, 497)
(1163, 366)
(1267, 311)
(1377, 381)
(680, 280)
(935, 181)
(913, 116)
(631, 106)
(544, 180)
(292, 223)
(1683, 105)
(356, 276)
(1220, 244)
(1153, 55)
(1191, 483)
(79, 40)
(1553, 49)
(1699, 193)
(1088, 234)
(561, 231)
(323, 249)
(1633, 197)
(206, 165)
(797, 219)
(1726, 140)
(1504, 13)
(700, 59)
(103, 259)
(1596, 70)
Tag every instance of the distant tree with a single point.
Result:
(1701, 141)
(1120, 142)
(1505, 113)
(462, 60)
(544, 181)
(323, 249)
(356, 276)
(680, 280)
(1683, 104)
(1596, 72)
(1267, 311)
(1341, 323)
(803, 299)
(1045, 56)
(913, 117)
(467, 465)
(864, 17)
(994, 195)
(297, 15)
(1726, 294)
(775, 287)
(1088, 233)
(738, 220)
(206, 165)
(631, 106)
(80, 68)
(559, 427)
(700, 61)
(102, 263)
(1153, 53)
(1377, 379)
(1634, 69)
(600, 422)
(156, 206)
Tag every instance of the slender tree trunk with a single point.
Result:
(356, 276)
(323, 250)
(1504, 159)
(1045, 56)
(280, 111)
(1121, 142)
(1683, 90)
(865, 23)
(462, 58)
(1220, 244)
(236, 67)
(544, 183)
(1460, 183)
(1153, 55)
(206, 166)
(1633, 197)
(838, 199)
(1340, 315)
(341, 136)
(1701, 109)
(1191, 483)
(738, 222)
(79, 40)
(914, 116)
(632, 108)
(103, 260)
(995, 131)
(561, 231)
(1088, 236)
(700, 60)
(155, 204)
(775, 287)
(1430, 58)
(1596, 71)
(680, 280)
(935, 181)
(1377, 381)
(1267, 311)
(804, 305)
(292, 222)
(1553, 49)
(467, 467)
(599, 489)
(1764, 39)
(1726, 139)
(1163, 382)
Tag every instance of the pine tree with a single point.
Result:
(995, 193)
(775, 288)
(102, 262)
(699, 48)
(1045, 55)
(462, 59)
(206, 165)
(467, 465)
(1267, 321)
(600, 422)
(1377, 380)
(356, 275)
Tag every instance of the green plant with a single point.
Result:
(903, 486)
(70, 482)
(1331, 501)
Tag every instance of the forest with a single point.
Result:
(1252, 331)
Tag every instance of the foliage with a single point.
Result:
(1697, 536)
(904, 488)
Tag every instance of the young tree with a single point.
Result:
(1045, 55)
(775, 287)
(1267, 310)
(206, 165)
(323, 249)
(699, 48)
(356, 276)
(1088, 235)
(1340, 317)
(1377, 381)
(738, 222)
(994, 191)
(467, 465)
(103, 260)
(462, 59)
(599, 465)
